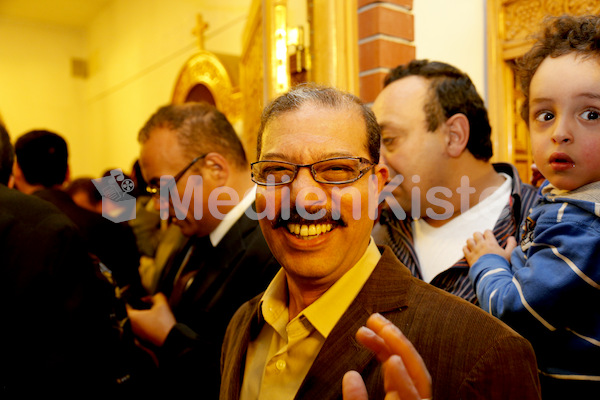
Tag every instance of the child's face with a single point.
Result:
(564, 120)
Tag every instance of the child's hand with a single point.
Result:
(486, 243)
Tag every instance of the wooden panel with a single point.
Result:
(252, 80)
(511, 24)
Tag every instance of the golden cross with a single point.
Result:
(199, 30)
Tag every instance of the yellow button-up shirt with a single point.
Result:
(280, 357)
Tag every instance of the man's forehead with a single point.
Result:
(318, 155)
(411, 89)
(307, 112)
(161, 155)
(402, 103)
(335, 133)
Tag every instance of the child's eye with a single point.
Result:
(590, 115)
(544, 116)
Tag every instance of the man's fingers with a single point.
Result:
(398, 381)
(353, 387)
(370, 340)
(159, 298)
(398, 344)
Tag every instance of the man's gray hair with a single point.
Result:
(199, 128)
(324, 96)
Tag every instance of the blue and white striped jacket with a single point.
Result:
(550, 291)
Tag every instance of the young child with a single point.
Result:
(548, 288)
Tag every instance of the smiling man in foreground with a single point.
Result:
(318, 152)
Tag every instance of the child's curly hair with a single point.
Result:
(560, 36)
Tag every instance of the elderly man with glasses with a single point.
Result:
(319, 182)
(197, 171)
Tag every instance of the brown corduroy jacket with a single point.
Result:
(469, 354)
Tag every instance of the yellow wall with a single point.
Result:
(135, 50)
(453, 32)
(36, 87)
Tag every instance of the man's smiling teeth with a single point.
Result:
(308, 230)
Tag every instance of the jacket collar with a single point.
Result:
(324, 379)
(386, 290)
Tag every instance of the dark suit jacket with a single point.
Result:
(55, 336)
(469, 354)
(237, 269)
(113, 243)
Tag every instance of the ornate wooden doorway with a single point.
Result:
(510, 26)
(211, 77)
(206, 77)
(324, 50)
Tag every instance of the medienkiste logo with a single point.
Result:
(117, 204)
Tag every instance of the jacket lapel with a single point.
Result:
(234, 242)
(220, 259)
(233, 373)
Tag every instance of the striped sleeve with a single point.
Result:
(548, 286)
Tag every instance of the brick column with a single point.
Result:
(386, 37)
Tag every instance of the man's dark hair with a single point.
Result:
(43, 157)
(326, 97)
(84, 185)
(560, 36)
(451, 92)
(6, 155)
(200, 128)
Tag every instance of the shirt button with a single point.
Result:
(280, 365)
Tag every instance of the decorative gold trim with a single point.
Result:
(502, 143)
(254, 74)
(522, 17)
(276, 47)
(335, 47)
(205, 68)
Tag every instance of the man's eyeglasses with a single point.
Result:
(154, 188)
(336, 171)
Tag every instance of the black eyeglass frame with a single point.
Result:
(361, 172)
(154, 190)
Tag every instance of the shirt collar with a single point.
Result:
(324, 313)
(232, 216)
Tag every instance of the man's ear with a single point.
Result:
(216, 168)
(67, 176)
(383, 175)
(457, 134)
(17, 176)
